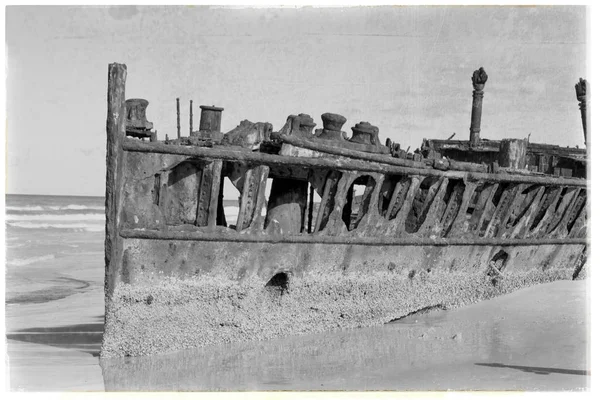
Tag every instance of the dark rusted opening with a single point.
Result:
(500, 259)
(358, 199)
(580, 263)
(327, 199)
(279, 283)
(519, 212)
(387, 191)
(498, 195)
(503, 187)
(156, 190)
(545, 204)
(420, 205)
(563, 192)
(453, 200)
(579, 206)
(496, 265)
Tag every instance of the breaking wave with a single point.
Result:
(76, 226)
(55, 217)
(19, 262)
(55, 208)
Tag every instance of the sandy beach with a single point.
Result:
(532, 339)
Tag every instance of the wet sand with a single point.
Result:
(533, 339)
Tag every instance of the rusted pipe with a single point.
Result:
(582, 93)
(233, 236)
(478, 79)
(256, 158)
(178, 121)
(191, 117)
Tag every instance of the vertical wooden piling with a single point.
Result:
(115, 133)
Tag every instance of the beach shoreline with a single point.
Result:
(484, 346)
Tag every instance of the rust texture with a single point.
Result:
(582, 92)
(178, 121)
(390, 232)
(478, 79)
(115, 133)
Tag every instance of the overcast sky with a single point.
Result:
(405, 69)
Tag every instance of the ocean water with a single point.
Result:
(55, 245)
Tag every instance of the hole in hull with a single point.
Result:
(279, 283)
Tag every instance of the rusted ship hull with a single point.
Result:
(178, 276)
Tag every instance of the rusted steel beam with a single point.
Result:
(380, 158)
(560, 230)
(311, 205)
(216, 182)
(232, 236)
(258, 220)
(406, 206)
(247, 201)
(251, 157)
(561, 210)
(204, 194)
(524, 223)
(484, 213)
(115, 133)
(433, 206)
(460, 225)
(452, 210)
(339, 151)
(327, 200)
(546, 213)
(502, 210)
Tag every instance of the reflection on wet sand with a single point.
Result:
(525, 328)
(81, 337)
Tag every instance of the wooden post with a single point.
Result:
(479, 78)
(115, 132)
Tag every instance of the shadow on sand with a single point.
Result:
(82, 337)
(537, 370)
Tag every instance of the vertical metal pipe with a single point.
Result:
(479, 78)
(178, 121)
(582, 92)
(191, 117)
(311, 202)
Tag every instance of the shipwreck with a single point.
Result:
(334, 230)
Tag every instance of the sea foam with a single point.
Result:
(19, 262)
(74, 226)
